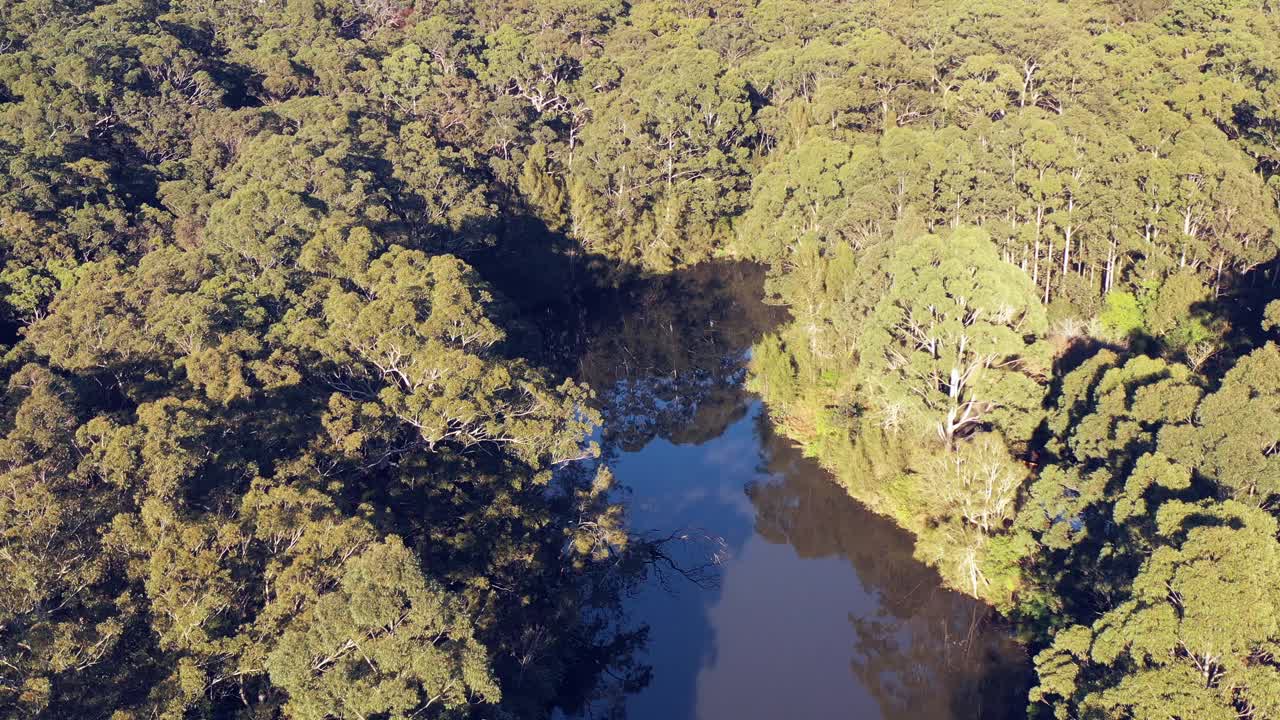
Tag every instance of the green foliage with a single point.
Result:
(979, 482)
(385, 641)
(1233, 437)
(956, 344)
(1122, 315)
(670, 151)
(273, 446)
(971, 495)
(1174, 303)
(1108, 415)
(1271, 316)
(811, 194)
(265, 413)
(1153, 499)
(543, 192)
(902, 403)
(1187, 642)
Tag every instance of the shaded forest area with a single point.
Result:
(296, 422)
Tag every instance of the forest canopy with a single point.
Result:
(279, 438)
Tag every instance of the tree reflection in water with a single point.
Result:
(927, 652)
(667, 359)
(667, 355)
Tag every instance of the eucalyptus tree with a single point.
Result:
(956, 344)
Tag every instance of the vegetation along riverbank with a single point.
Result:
(322, 322)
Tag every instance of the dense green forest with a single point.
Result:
(294, 425)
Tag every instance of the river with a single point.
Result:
(787, 599)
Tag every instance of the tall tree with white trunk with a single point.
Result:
(956, 345)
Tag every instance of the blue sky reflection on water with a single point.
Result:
(820, 609)
(790, 630)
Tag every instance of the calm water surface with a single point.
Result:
(810, 606)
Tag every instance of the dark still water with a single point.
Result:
(784, 598)
(819, 610)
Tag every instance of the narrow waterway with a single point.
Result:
(785, 599)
